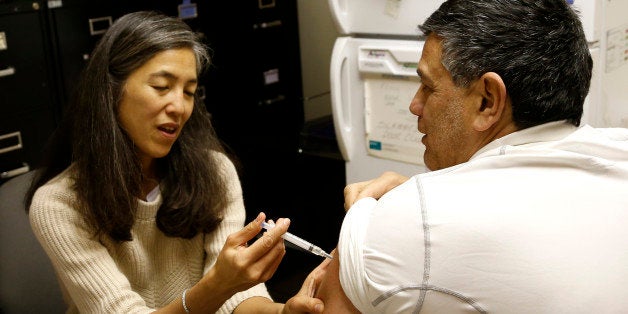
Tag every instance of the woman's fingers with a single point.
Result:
(241, 237)
(258, 260)
(270, 239)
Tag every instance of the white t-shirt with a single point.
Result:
(535, 222)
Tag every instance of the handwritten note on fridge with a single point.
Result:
(391, 130)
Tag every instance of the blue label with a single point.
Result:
(187, 10)
(570, 2)
(376, 145)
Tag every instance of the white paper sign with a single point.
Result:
(391, 130)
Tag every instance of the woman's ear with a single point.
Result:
(491, 90)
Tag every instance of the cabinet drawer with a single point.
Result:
(24, 75)
(34, 129)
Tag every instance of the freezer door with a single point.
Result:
(372, 84)
(383, 17)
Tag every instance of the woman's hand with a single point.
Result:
(304, 301)
(240, 266)
(373, 188)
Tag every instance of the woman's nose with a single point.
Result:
(178, 103)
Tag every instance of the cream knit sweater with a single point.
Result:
(102, 276)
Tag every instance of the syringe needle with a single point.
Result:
(299, 242)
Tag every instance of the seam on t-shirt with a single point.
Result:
(425, 286)
(502, 150)
(427, 244)
(424, 289)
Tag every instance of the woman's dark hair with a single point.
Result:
(106, 169)
(538, 47)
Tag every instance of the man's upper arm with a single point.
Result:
(330, 291)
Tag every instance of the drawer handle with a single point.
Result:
(271, 101)
(15, 145)
(15, 172)
(8, 71)
(270, 24)
(97, 27)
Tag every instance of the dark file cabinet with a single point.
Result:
(259, 57)
(44, 45)
(75, 27)
(26, 91)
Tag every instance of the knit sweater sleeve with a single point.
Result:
(233, 221)
(86, 269)
(90, 275)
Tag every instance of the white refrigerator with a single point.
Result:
(606, 27)
(373, 78)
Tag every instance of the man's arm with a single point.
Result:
(330, 291)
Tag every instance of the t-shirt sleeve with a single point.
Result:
(381, 250)
(350, 250)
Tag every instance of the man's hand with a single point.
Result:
(304, 301)
(373, 188)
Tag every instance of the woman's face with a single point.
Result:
(157, 100)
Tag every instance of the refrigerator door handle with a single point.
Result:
(341, 97)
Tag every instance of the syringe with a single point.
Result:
(299, 242)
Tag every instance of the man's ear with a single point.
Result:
(492, 101)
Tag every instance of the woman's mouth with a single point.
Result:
(169, 130)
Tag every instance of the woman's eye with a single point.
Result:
(190, 93)
(160, 88)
